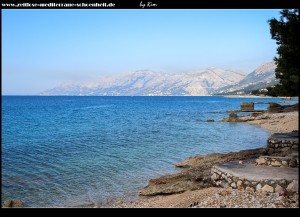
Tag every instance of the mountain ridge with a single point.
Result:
(262, 77)
(146, 82)
(150, 83)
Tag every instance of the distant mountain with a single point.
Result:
(149, 83)
(260, 78)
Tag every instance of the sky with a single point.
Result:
(44, 48)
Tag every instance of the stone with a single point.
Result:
(240, 162)
(7, 204)
(267, 188)
(235, 179)
(17, 203)
(250, 190)
(285, 149)
(229, 180)
(276, 163)
(233, 185)
(261, 161)
(214, 176)
(240, 188)
(254, 183)
(293, 187)
(13, 203)
(276, 145)
(278, 188)
(239, 183)
(293, 162)
(210, 120)
(233, 117)
(247, 183)
(282, 182)
(224, 184)
(284, 163)
(274, 108)
(258, 187)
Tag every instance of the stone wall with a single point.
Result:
(226, 180)
(277, 161)
(282, 143)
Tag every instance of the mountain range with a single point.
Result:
(260, 78)
(201, 82)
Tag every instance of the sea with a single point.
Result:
(68, 151)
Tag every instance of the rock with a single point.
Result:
(258, 187)
(7, 204)
(282, 182)
(233, 185)
(293, 187)
(247, 183)
(239, 183)
(214, 176)
(224, 184)
(210, 120)
(285, 149)
(17, 203)
(274, 108)
(267, 188)
(255, 114)
(293, 162)
(250, 190)
(234, 118)
(240, 162)
(278, 188)
(261, 161)
(276, 163)
(13, 203)
(270, 151)
(196, 173)
(284, 163)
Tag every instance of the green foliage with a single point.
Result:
(277, 90)
(286, 33)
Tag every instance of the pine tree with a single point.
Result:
(286, 33)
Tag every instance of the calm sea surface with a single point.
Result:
(69, 151)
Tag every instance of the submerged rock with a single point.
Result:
(232, 118)
(12, 204)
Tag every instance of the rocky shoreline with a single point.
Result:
(194, 187)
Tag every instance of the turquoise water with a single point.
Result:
(69, 151)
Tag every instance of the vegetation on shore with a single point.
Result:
(286, 33)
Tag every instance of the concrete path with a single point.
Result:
(252, 172)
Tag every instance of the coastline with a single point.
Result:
(210, 196)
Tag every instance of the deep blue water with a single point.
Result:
(69, 151)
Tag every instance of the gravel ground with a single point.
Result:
(215, 198)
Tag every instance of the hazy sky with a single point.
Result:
(42, 48)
